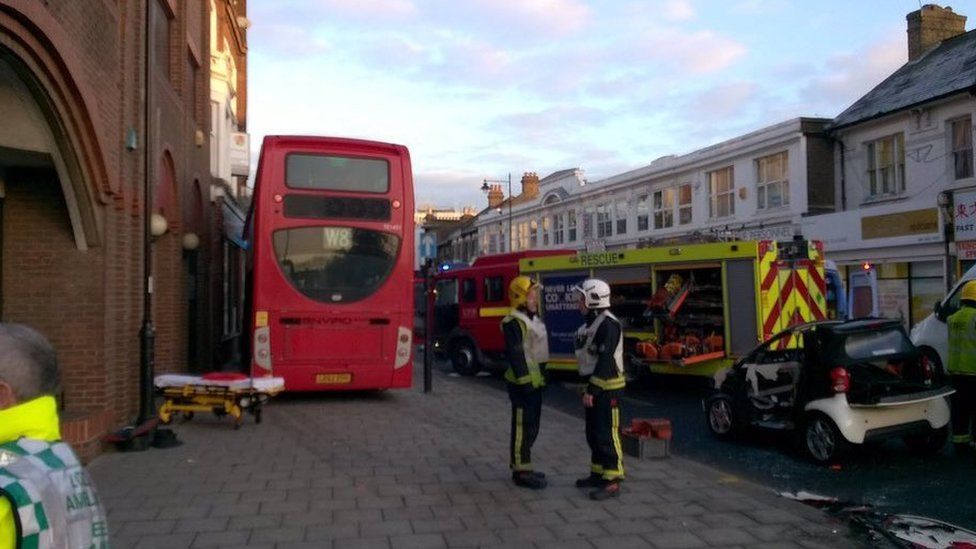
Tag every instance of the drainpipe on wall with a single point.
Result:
(843, 175)
(147, 335)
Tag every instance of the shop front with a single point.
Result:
(902, 243)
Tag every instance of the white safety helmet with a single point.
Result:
(596, 293)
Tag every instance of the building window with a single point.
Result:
(523, 236)
(494, 289)
(962, 148)
(162, 21)
(643, 215)
(546, 227)
(533, 235)
(886, 166)
(772, 181)
(571, 226)
(721, 193)
(664, 208)
(621, 214)
(557, 223)
(684, 204)
(192, 69)
(468, 291)
(214, 142)
(604, 225)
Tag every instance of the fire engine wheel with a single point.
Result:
(822, 440)
(464, 357)
(720, 417)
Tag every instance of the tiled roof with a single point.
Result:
(947, 69)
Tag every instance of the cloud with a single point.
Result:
(548, 16)
(699, 52)
(722, 102)
(844, 78)
(291, 43)
(371, 8)
(678, 10)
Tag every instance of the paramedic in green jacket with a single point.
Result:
(962, 369)
(527, 351)
(47, 500)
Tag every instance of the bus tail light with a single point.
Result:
(404, 343)
(262, 348)
(840, 380)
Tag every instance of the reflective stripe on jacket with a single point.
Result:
(601, 353)
(962, 342)
(526, 348)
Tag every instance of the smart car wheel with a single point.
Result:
(719, 415)
(822, 440)
(464, 357)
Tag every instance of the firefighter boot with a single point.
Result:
(529, 479)
(610, 489)
(592, 481)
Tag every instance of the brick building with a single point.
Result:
(73, 155)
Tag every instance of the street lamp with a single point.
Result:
(486, 188)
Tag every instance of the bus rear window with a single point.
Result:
(336, 264)
(337, 173)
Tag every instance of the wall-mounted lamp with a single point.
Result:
(158, 225)
(945, 199)
(190, 241)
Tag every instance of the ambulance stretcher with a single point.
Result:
(220, 393)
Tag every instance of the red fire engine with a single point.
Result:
(468, 305)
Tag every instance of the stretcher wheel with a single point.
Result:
(187, 416)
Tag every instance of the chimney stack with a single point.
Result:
(530, 185)
(495, 196)
(929, 26)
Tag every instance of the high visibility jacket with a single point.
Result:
(45, 495)
(600, 353)
(526, 347)
(962, 341)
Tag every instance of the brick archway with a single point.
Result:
(30, 47)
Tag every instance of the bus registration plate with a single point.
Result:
(333, 379)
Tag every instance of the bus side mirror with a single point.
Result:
(939, 311)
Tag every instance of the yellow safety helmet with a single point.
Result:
(518, 290)
(969, 291)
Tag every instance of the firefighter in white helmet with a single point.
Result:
(527, 351)
(599, 353)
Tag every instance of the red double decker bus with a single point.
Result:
(332, 264)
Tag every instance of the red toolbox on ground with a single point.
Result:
(647, 438)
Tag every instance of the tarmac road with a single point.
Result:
(887, 477)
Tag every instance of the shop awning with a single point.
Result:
(234, 225)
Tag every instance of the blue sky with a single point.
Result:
(480, 88)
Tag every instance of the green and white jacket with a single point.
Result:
(52, 497)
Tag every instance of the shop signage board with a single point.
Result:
(964, 215)
(912, 222)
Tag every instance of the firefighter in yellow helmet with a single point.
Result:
(962, 368)
(527, 351)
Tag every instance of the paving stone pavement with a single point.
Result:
(405, 470)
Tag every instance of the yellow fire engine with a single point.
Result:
(687, 309)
